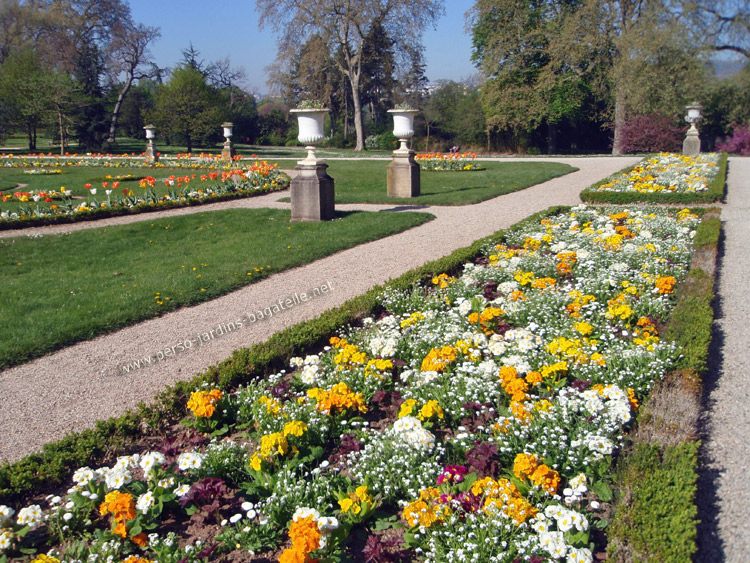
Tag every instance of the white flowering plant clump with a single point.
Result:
(667, 173)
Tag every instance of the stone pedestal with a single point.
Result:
(151, 153)
(403, 175)
(691, 146)
(312, 193)
(227, 152)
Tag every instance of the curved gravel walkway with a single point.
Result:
(73, 388)
(723, 494)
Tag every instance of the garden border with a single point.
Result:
(716, 191)
(638, 527)
(42, 471)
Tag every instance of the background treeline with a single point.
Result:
(551, 76)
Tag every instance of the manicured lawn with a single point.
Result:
(60, 289)
(365, 182)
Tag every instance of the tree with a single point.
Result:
(24, 88)
(724, 23)
(512, 45)
(343, 26)
(186, 106)
(552, 60)
(378, 69)
(91, 113)
(129, 53)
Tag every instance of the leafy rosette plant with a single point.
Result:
(208, 409)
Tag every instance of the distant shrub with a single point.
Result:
(651, 133)
(738, 143)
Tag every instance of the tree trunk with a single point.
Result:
(116, 111)
(62, 131)
(358, 128)
(619, 122)
(551, 138)
(189, 142)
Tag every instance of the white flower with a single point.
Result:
(6, 539)
(150, 460)
(6, 512)
(83, 476)
(117, 478)
(579, 555)
(304, 512)
(145, 501)
(182, 490)
(236, 518)
(30, 516)
(165, 483)
(189, 460)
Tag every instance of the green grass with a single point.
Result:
(60, 289)
(365, 182)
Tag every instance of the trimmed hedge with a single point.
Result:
(655, 517)
(716, 191)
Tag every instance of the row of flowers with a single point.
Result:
(258, 177)
(36, 163)
(449, 161)
(667, 173)
(472, 420)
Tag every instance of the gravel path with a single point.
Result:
(723, 495)
(73, 388)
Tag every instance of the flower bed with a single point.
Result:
(39, 162)
(665, 178)
(450, 161)
(258, 178)
(478, 415)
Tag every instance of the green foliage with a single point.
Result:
(659, 522)
(186, 108)
(655, 514)
(692, 318)
(26, 92)
(454, 112)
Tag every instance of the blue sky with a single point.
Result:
(230, 28)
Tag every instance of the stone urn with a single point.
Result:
(403, 125)
(310, 123)
(403, 171)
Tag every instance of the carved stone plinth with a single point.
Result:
(227, 152)
(691, 146)
(151, 153)
(403, 175)
(312, 193)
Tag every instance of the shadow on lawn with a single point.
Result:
(710, 545)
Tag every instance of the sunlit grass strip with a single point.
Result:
(366, 182)
(112, 277)
(664, 178)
